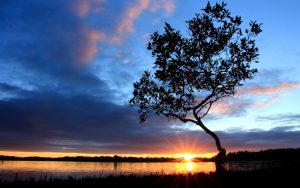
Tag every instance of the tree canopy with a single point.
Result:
(190, 73)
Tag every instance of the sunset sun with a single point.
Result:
(186, 157)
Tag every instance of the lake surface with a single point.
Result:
(10, 170)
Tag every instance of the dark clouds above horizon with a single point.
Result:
(66, 70)
(89, 125)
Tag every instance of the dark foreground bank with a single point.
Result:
(281, 177)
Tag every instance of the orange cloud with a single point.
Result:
(260, 90)
(131, 15)
(84, 6)
(126, 25)
(269, 101)
(239, 103)
(89, 51)
(239, 106)
(229, 107)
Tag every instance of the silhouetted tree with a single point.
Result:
(194, 70)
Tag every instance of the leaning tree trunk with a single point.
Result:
(220, 157)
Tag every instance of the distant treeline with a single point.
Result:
(115, 158)
(263, 155)
(266, 155)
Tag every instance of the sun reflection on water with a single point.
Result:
(189, 166)
(194, 167)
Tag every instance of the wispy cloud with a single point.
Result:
(83, 7)
(253, 97)
(286, 119)
(167, 5)
(269, 90)
(230, 107)
(91, 48)
(126, 25)
(278, 137)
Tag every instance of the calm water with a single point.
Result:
(39, 169)
(10, 170)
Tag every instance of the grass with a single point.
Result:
(280, 177)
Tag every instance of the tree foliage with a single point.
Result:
(194, 70)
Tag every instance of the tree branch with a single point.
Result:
(204, 101)
(210, 103)
(184, 120)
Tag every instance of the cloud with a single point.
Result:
(93, 125)
(82, 122)
(8, 91)
(268, 90)
(44, 35)
(48, 120)
(253, 97)
(230, 107)
(126, 25)
(167, 5)
(45, 45)
(83, 7)
(288, 119)
(91, 49)
(54, 43)
(238, 106)
(278, 137)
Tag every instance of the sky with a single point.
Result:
(67, 70)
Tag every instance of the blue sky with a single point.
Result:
(67, 70)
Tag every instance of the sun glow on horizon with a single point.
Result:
(186, 156)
